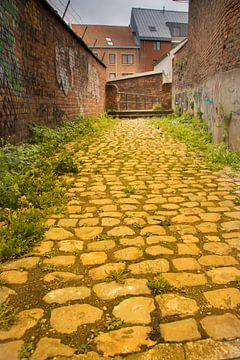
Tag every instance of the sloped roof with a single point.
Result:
(142, 19)
(121, 36)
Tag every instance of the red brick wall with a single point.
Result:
(206, 72)
(46, 73)
(140, 92)
(148, 55)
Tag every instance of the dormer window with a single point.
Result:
(152, 28)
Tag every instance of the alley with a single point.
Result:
(145, 263)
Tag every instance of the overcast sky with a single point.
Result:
(110, 12)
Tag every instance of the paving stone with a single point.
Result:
(210, 217)
(101, 245)
(207, 227)
(213, 238)
(14, 277)
(128, 253)
(10, 350)
(120, 231)
(74, 209)
(101, 201)
(137, 241)
(67, 222)
(43, 247)
(173, 304)
(180, 330)
(234, 243)
(60, 260)
(110, 222)
(5, 292)
(150, 266)
(221, 327)
(160, 351)
(158, 250)
(93, 258)
(186, 264)
(128, 201)
(190, 239)
(135, 310)
(112, 290)
(50, 348)
(123, 341)
(135, 221)
(24, 263)
(181, 219)
(223, 298)
(62, 276)
(67, 319)
(60, 296)
(218, 248)
(217, 260)
(223, 275)
(88, 233)
(155, 239)
(233, 214)
(70, 245)
(57, 233)
(89, 222)
(26, 320)
(153, 230)
(231, 225)
(185, 279)
(183, 229)
(188, 249)
(212, 350)
(109, 208)
(104, 271)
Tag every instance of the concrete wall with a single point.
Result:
(206, 74)
(138, 92)
(47, 74)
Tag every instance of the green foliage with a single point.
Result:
(117, 275)
(21, 231)
(237, 200)
(194, 133)
(177, 110)
(65, 164)
(226, 121)
(114, 323)
(29, 184)
(101, 237)
(26, 350)
(129, 189)
(7, 316)
(48, 268)
(157, 107)
(158, 285)
(237, 279)
(82, 349)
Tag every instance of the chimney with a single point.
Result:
(164, 9)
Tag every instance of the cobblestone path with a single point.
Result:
(140, 206)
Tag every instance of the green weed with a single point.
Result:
(129, 189)
(158, 285)
(48, 268)
(237, 279)
(82, 349)
(26, 350)
(117, 275)
(114, 323)
(157, 107)
(65, 164)
(101, 237)
(237, 200)
(7, 316)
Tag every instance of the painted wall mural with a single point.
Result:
(93, 82)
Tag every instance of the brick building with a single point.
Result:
(114, 45)
(206, 74)
(47, 73)
(156, 31)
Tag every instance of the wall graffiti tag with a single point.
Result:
(93, 82)
(65, 63)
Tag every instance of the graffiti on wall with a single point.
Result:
(65, 64)
(32, 15)
(9, 65)
(93, 82)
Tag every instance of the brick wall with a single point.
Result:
(138, 92)
(46, 73)
(206, 72)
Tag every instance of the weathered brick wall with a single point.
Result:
(140, 92)
(206, 72)
(46, 73)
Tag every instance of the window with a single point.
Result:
(127, 74)
(176, 31)
(96, 54)
(152, 28)
(127, 59)
(112, 59)
(109, 41)
(156, 45)
(112, 75)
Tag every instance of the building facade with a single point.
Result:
(115, 46)
(156, 32)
